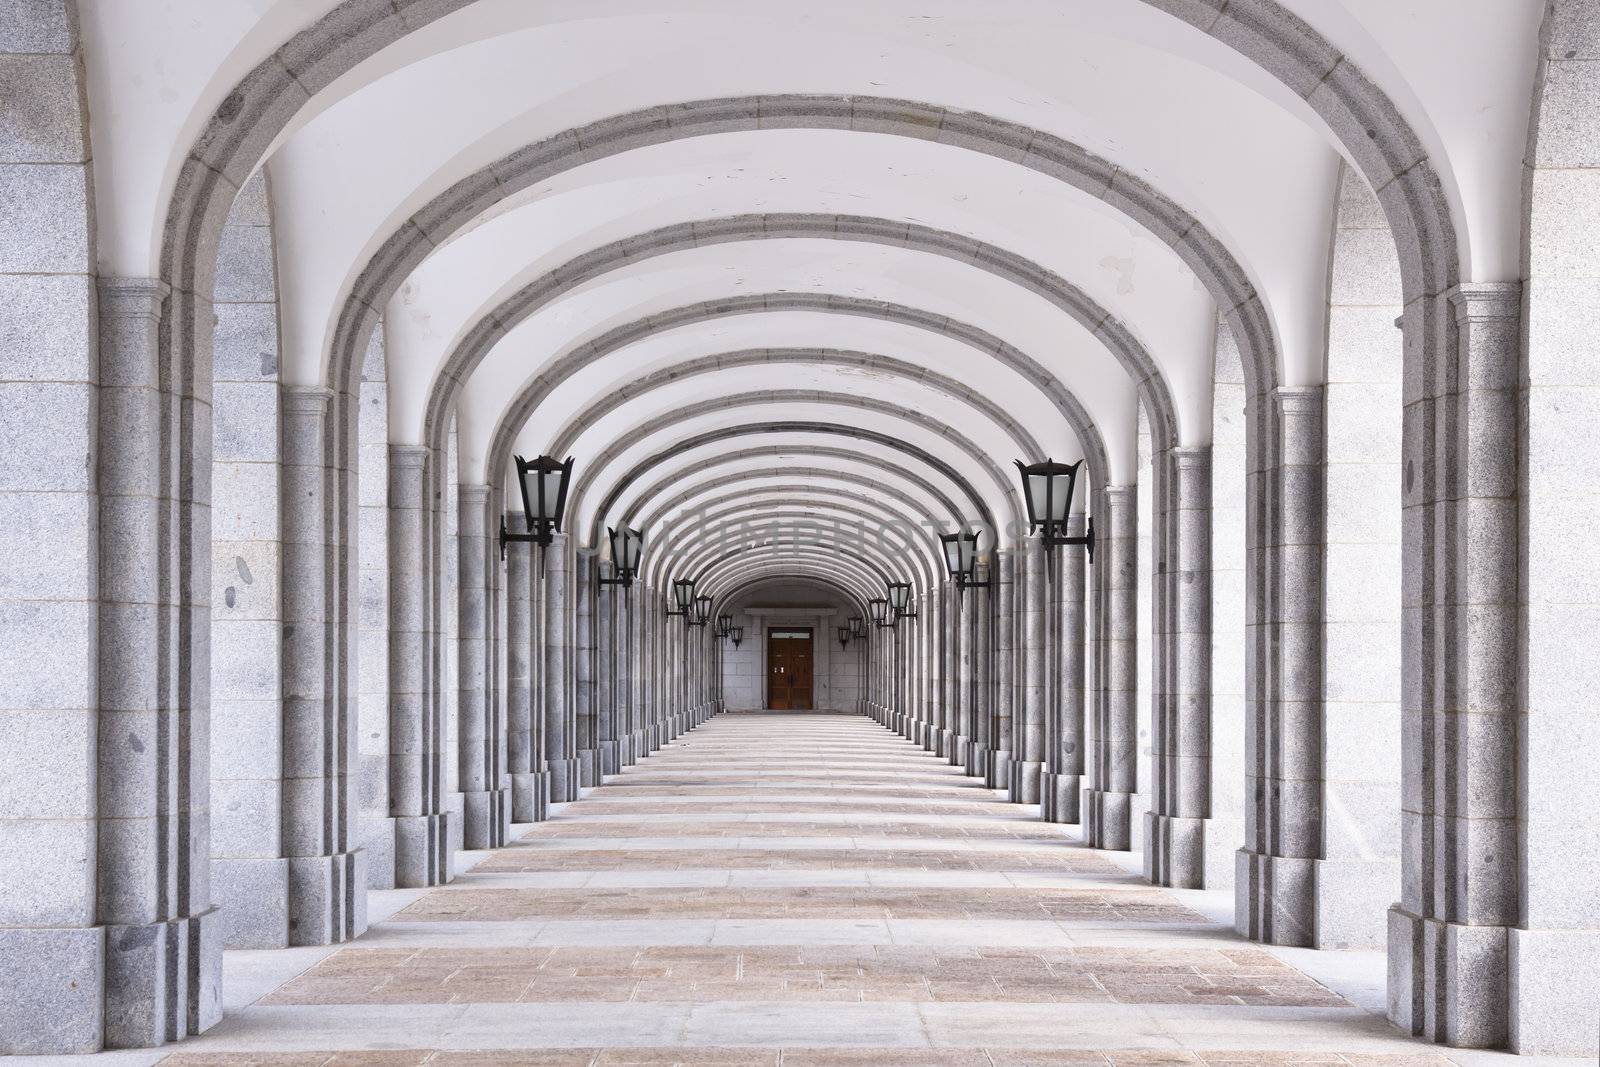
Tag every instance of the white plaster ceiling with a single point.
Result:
(1202, 123)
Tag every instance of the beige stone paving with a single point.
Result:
(802, 1057)
(795, 794)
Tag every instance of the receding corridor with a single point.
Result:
(797, 889)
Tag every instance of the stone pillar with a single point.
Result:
(950, 667)
(966, 617)
(326, 875)
(376, 827)
(1030, 729)
(627, 651)
(561, 727)
(1107, 803)
(1554, 951)
(1182, 851)
(609, 752)
(1275, 871)
(583, 574)
(1062, 779)
(530, 782)
(249, 874)
(1232, 653)
(1001, 662)
(52, 942)
(485, 805)
(161, 939)
(1452, 943)
(415, 731)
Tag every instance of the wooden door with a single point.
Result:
(789, 669)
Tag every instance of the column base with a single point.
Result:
(1058, 797)
(163, 981)
(1450, 983)
(588, 768)
(959, 746)
(945, 743)
(252, 898)
(327, 898)
(998, 774)
(486, 818)
(421, 852)
(625, 756)
(1176, 852)
(978, 760)
(455, 808)
(530, 797)
(1274, 898)
(610, 758)
(1108, 820)
(563, 781)
(1026, 782)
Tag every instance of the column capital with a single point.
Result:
(306, 399)
(1486, 301)
(132, 297)
(408, 456)
(1298, 399)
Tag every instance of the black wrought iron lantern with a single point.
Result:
(683, 597)
(626, 546)
(544, 483)
(900, 600)
(878, 610)
(702, 611)
(736, 635)
(960, 551)
(858, 626)
(1047, 489)
(845, 634)
(724, 624)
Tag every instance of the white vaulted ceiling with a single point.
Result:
(1216, 133)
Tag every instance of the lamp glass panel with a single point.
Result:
(1060, 496)
(550, 490)
(952, 555)
(1038, 496)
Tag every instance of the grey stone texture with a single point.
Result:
(530, 781)
(1554, 948)
(1461, 888)
(162, 936)
(1181, 831)
(560, 720)
(1358, 874)
(1113, 769)
(327, 876)
(375, 822)
(1029, 739)
(1275, 871)
(52, 940)
(1061, 779)
(480, 711)
(416, 734)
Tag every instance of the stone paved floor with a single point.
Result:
(799, 890)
